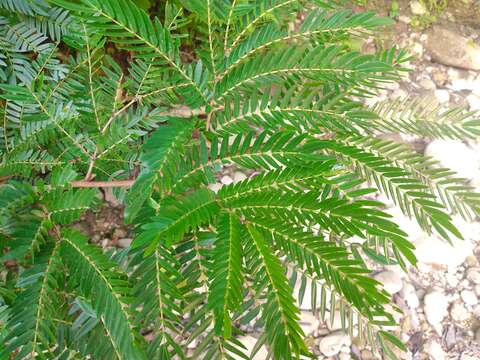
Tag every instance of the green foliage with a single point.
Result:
(159, 106)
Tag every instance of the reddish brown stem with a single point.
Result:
(102, 184)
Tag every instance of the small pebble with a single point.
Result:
(125, 242)
(392, 282)
(469, 297)
(435, 308)
(427, 84)
(459, 313)
(434, 350)
(442, 96)
(239, 176)
(331, 345)
(215, 187)
(410, 296)
(473, 102)
(226, 180)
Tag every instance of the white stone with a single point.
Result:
(435, 307)
(473, 274)
(331, 345)
(452, 280)
(392, 282)
(469, 297)
(459, 313)
(344, 356)
(449, 47)
(417, 8)
(215, 187)
(249, 342)
(226, 180)
(125, 242)
(239, 176)
(460, 84)
(442, 95)
(192, 344)
(410, 296)
(427, 84)
(434, 350)
(473, 102)
(435, 251)
(308, 322)
(449, 152)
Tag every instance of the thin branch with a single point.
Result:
(90, 166)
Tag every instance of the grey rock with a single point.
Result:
(450, 48)
(450, 337)
(331, 344)
(125, 242)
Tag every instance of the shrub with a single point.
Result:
(98, 94)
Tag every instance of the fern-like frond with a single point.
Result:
(108, 289)
(251, 151)
(225, 290)
(319, 65)
(320, 259)
(32, 329)
(27, 38)
(56, 24)
(25, 7)
(279, 313)
(27, 237)
(14, 196)
(294, 110)
(177, 218)
(163, 149)
(450, 190)
(258, 12)
(64, 207)
(405, 190)
(158, 291)
(136, 32)
(422, 118)
(332, 306)
(319, 25)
